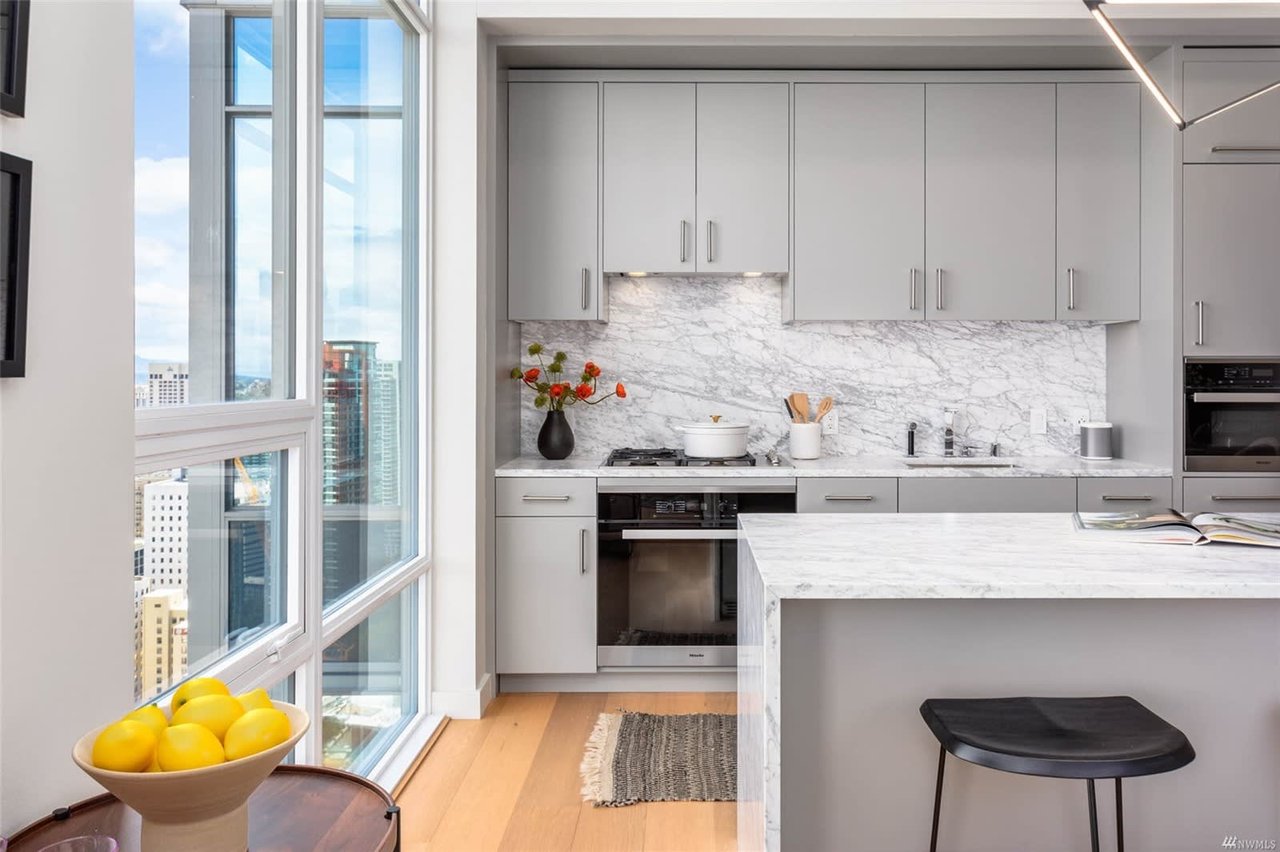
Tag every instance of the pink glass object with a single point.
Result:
(87, 843)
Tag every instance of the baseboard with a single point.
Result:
(466, 703)
(694, 681)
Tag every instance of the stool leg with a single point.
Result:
(1093, 817)
(937, 799)
(1119, 818)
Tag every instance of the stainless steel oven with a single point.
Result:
(667, 581)
(1232, 414)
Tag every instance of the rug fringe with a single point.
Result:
(593, 759)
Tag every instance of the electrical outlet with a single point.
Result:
(1078, 416)
(831, 423)
(1039, 421)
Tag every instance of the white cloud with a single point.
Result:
(164, 26)
(152, 252)
(160, 186)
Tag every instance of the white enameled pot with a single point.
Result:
(714, 440)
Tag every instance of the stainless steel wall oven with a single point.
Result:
(1232, 414)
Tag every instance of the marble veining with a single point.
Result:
(688, 348)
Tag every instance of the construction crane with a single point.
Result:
(251, 490)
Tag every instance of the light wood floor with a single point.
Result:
(510, 781)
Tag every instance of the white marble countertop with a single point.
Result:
(910, 556)
(850, 466)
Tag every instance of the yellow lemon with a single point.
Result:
(188, 746)
(155, 762)
(254, 699)
(196, 687)
(255, 731)
(124, 746)
(215, 712)
(151, 716)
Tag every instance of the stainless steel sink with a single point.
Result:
(962, 461)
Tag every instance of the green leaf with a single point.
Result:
(540, 401)
(542, 387)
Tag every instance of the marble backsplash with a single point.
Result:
(687, 348)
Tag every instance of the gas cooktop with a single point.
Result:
(629, 457)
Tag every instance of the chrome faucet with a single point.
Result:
(949, 433)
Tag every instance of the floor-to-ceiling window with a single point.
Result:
(280, 536)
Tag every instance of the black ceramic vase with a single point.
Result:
(555, 440)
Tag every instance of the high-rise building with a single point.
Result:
(167, 384)
(348, 371)
(164, 640)
(384, 434)
(139, 489)
(164, 534)
(141, 396)
(140, 589)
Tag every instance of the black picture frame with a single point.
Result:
(15, 256)
(15, 23)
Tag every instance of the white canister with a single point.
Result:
(806, 440)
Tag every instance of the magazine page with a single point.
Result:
(1165, 527)
(1240, 529)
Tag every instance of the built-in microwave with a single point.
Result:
(1232, 415)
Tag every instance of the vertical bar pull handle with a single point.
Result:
(711, 235)
(938, 298)
(586, 288)
(1199, 322)
(913, 288)
(1071, 288)
(582, 551)
(684, 248)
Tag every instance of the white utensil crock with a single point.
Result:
(806, 440)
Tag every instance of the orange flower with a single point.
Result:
(556, 391)
(584, 390)
(591, 370)
(620, 391)
(531, 375)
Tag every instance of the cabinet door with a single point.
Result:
(1231, 495)
(553, 164)
(996, 494)
(846, 495)
(1231, 259)
(546, 595)
(743, 164)
(1249, 133)
(989, 200)
(1099, 174)
(859, 201)
(649, 182)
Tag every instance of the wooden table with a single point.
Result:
(297, 809)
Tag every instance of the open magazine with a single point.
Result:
(1170, 527)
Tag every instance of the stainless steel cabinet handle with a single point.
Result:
(711, 252)
(586, 287)
(1071, 288)
(1244, 149)
(1228, 498)
(913, 289)
(545, 498)
(1241, 397)
(582, 551)
(938, 289)
(1199, 322)
(684, 246)
(848, 498)
(1122, 498)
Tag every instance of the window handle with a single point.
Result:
(280, 644)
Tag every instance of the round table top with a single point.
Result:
(297, 809)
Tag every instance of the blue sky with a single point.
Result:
(363, 185)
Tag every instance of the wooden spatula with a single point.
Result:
(824, 408)
(800, 405)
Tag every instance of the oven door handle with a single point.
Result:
(679, 535)
(1241, 397)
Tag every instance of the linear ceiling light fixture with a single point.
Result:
(1095, 9)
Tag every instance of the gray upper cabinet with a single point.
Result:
(1231, 259)
(553, 267)
(1249, 133)
(1099, 175)
(650, 157)
(743, 177)
(859, 201)
(990, 200)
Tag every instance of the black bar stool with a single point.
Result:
(1090, 738)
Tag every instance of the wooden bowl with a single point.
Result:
(205, 809)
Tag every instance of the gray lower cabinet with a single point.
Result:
(1231, 260)
(991, 494)
(1231, 494)
(1249, 133)
(990, 200)
(1099, 174)
(1124, 494)
(846, 495)
(553, 167)
(546, 595)
(859, 201)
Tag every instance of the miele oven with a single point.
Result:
(1232, 414)
(667, 580)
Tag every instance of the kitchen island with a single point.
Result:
(848, 622)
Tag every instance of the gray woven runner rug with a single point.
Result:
(642, 757)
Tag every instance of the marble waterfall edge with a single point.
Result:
(688, 348)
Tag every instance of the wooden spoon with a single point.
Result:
(824, 408)
(800, 405)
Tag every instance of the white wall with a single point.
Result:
(66, 429)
